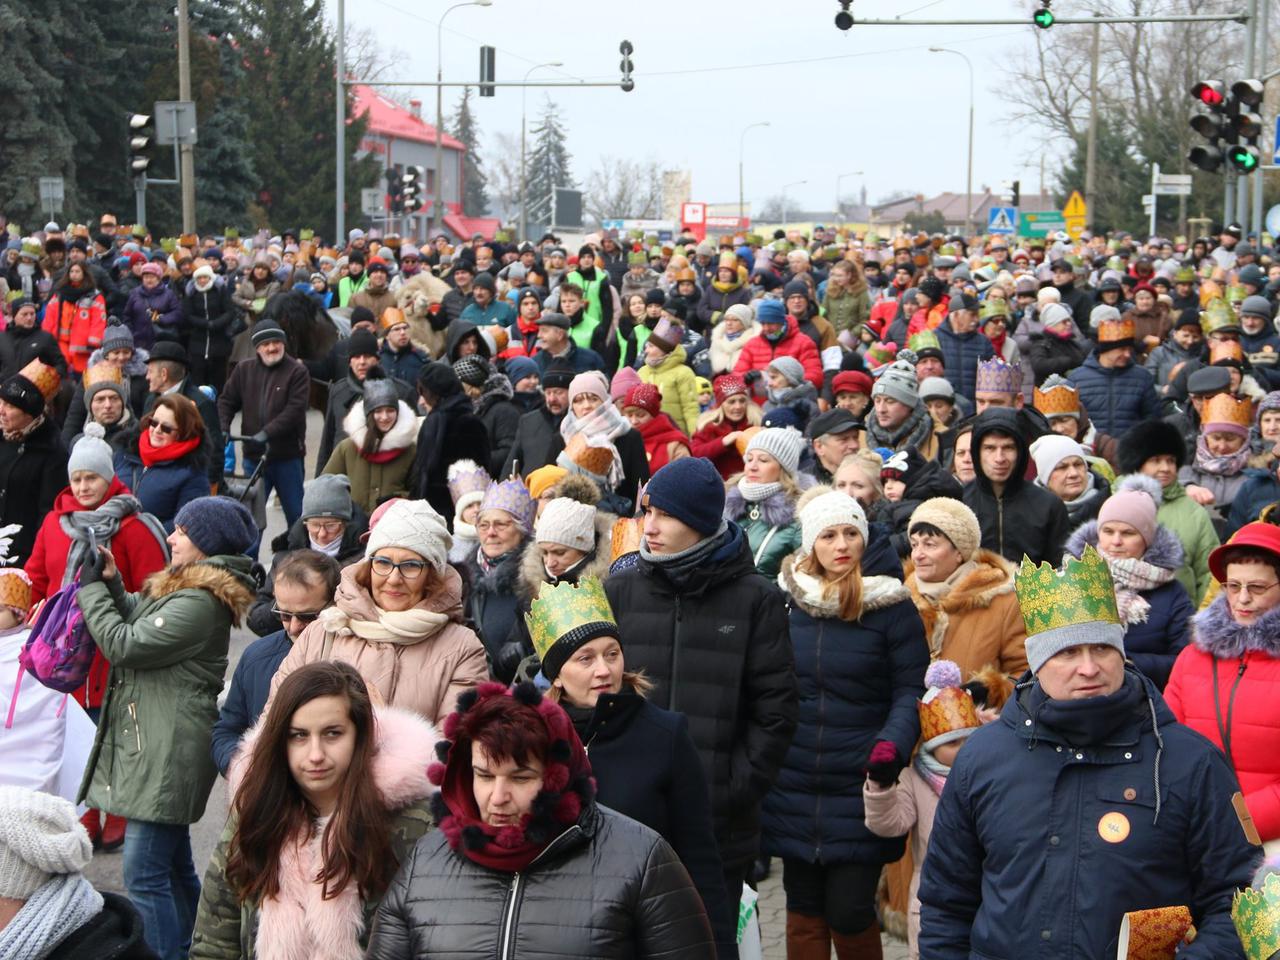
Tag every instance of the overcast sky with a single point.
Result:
(872, 99)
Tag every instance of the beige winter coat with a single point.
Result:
(907, 806)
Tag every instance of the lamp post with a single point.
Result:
(437, 211)
(968, 182)
(524, 97)
(785, 188)
(855, 173)
(742, 140)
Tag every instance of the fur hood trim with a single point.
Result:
(533, 573)
(401, 436)
(977, 590)
(777, 510)
(1165, 551)
(1220, 636)
(502, 579)
(806, 591)
(232, 591)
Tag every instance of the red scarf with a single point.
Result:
(567, 788)
(998, 342)
(151, 455)
(381, 456)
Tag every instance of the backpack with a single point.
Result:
(59, 651)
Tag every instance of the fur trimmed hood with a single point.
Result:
(231, 587)
(777, 510)
(977, 590)
(1166, 551)
(401, 436)
(533, 574)
(806, 591)
(1218, 635)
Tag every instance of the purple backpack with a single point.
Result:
(59, 651)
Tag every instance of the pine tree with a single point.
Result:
(475, 195)
(1117, 200)
(549, 159)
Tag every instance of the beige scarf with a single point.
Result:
(392, 626)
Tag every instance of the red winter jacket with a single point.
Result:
(138, 555)
(708, 442)
(659, 434)
(1255, 716)
(758, 352)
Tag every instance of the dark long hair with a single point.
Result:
(271, 809)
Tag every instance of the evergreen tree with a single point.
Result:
(475, 195)
(549, 159)
(1117, 201)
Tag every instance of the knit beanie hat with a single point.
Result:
(1136, 507)
(218, 526)
(646, 397)
(789, 367)
(771, 311)
(728, 385)
(266, 331)
(592, 382)
(473, 370)
(691, 490)
(92, 453)
(362, 343)
(1049, 451)
(15, 588)
(743, 313)
(328, 495)
(829, 510)
(40, 838)
(513, 497)
(543, 479)
(655, 296)
(569, 523)
(782, 443)
(623, 381)
(956, 521)
(898, 382)
(117, 336)
(518, 368)
(1053, 313)
(412, 525)
(937, 388)
(1102, 313)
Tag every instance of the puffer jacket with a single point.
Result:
(1259, 490)
(679, 388)
(708, 441)
(723, 355)
(858, 683)
(167, 647)
(717, 648)
(424, 674)
(493, 604)
(663, 442)
(1116, 397)
(960, 356)
(166, 487)
(771, 526)
(1191, 523)
(209, 318)
(607, 887)
(758, 352)
(1025, 870)
(152, 312)
(1224, 686)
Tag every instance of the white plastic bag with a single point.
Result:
(749, 947)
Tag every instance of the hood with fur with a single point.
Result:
(1220, 636)
(400, 437)
(777, 510)
(228, 579)
(354, 599)
(533, 573)
(1165, 551)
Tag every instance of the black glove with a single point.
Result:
(256, 445)
(753, 376)
(885, 763)
(91, 568)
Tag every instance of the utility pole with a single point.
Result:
(186, 152)
(1091, 143)
(1243, 182)
(340, 132)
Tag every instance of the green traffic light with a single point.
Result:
(1243, 159)
(1043, 18)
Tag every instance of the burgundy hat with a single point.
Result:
(1262, 536)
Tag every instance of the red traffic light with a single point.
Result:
(1212, 93)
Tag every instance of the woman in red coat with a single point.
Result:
(779, 336)
(722, 427)
(663, 440)
(95, 501)
(1224, 685)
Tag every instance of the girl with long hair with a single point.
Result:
(382, 440)
(723, 431)
(328, 797)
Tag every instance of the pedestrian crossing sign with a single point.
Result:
(1002, 220)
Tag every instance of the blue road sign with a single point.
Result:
(1002, 220)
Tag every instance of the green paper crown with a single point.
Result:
(993, 308)
(1256, 914)
(564, 609)
(924, 340)
(1081, 592)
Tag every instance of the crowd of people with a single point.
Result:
(941, 573)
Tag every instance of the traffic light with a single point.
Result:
(1016, 193)
(394, 190)
(626, 49)
(1213, 125)
(415, 185)
(844, 19)
(142, 137)
(487, 75)
(1246, 125)
(1043, 17)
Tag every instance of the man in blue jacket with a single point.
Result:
(1115, 391)
(1083, 801)
(304, 582)
(963, 344)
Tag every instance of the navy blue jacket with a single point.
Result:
(960, 356)
(1262, 350)
(1260, 490)
(250, 686)
(858, 683)
(165, 488)
(1023, 869)
(582, 359)
(1116, 397)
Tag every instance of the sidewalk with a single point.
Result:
(773, 921)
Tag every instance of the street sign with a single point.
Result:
(1002, 220)
(693, 214)
(373, 202)
(1172, 190)
(1174, 179)
(51, 195)
(175, 122)
(1042, 223)
(1074, 213)
(1148, 199)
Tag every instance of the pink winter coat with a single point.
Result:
(907, 806)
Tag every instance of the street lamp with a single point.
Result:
(785, 188)
(856, 173)
(742, 140)
(437, 211)
(968, 182)
(524, 91)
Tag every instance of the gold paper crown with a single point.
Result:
(1224, 408)
(566, 609)
(1058, 401)
(626, 537)
(951, 709)
(43, 377)
(1221, 351)
(1081, 592)
(1218, 315)
(1256, 914)
(1109, 331)
(103, 373)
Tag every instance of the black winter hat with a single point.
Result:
(439, 379)
(362, 315)
(655, 296)
(362, 343)
(933, 288)
(795, 288)
(485, 282)
(1151, 438)
(558, 374)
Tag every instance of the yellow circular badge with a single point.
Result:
(1113, 827)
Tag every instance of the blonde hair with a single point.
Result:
(755, 416)
(870, 463)
(639, 683)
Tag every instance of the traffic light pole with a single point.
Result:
(1239, 17)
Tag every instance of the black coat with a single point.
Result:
(211, 319)
(536, 444)
(18, 347)
(493, 604)
(501, 418)
(114, 934)
(1048, 355)
(607, 888)
(464, 438)
(32, 474)
(717, 648)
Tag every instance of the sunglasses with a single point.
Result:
(167, 429)
(309, 616)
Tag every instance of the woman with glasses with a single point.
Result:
(165, 460)
(504, 525)
(398, 617)
(1223, 685)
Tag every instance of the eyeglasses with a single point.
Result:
(324, 526)
(1234, 589)
(497, 526)
(166, 428)
(409, 569)
(308, 616)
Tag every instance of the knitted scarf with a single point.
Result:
(913, 432)
(392, 626)
(59, 908)
(104, 523)
(931, 771)
(1224, 466)
(678, 566)
(1132, 576)
(755, 492)
(21, 434)
(151, 455)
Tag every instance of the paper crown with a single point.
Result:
(15, 588)
(513, 497)
(880, 354)
(103, 373)
(1236, 294)
(1218, 316)
(924, 340)
(569, 612)
(993, 308)
(1256, 913)
(1056, 397)
(467, 476)
(625, 537)
(391, 316)
(667, 334)
(1225, 351)
(996, 376)
(1115, 331)
(43, 377)
(1081, 592)
(947, 707)
(1224, 408)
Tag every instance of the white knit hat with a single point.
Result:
(40, 837)
(569, 523)
(412, 525)
(829, 510)
(92, 453)
(1049, 451)
(782, 443)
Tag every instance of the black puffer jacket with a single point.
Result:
(607, 888)
(32, 472)
(494, 601)
(719, 651)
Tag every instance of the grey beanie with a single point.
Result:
(380, 392)
(789, 367)
(91, 452)
(117, 336)
(1041, 647)
(93, 389)
(937, 388)
(40, 838)
(1256, 306)
(784, 444)
(898, 382)
(567, 522)
(328, 495)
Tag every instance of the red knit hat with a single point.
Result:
(646, 396)
(730, 385)
(851, 381)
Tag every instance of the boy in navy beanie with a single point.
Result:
(691, 490)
